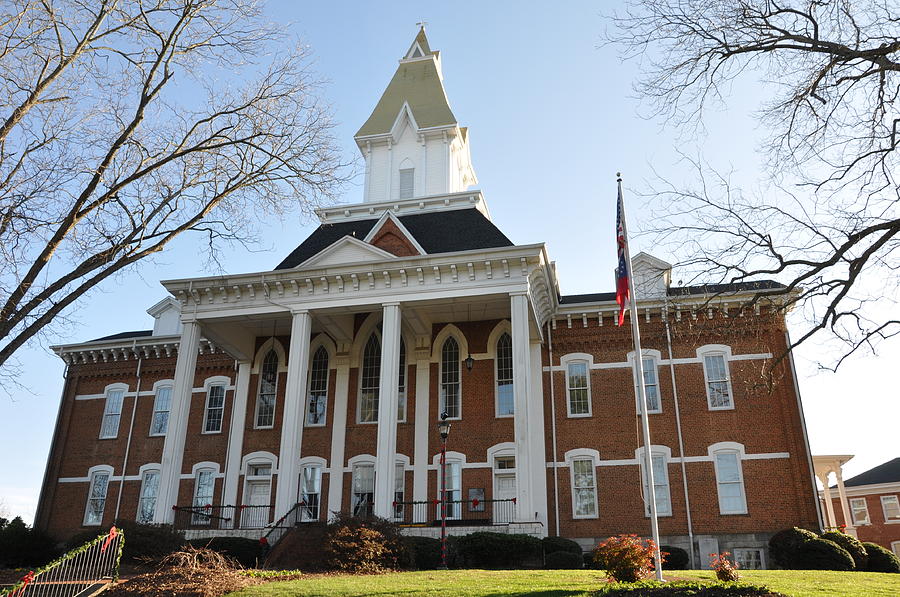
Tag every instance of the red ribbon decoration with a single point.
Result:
(112, 535)
(25, 580)
(263, 541)
(475, 503)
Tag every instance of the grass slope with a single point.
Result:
(562, 583)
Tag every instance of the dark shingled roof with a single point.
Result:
(889, 472)
(436, 232)
(599, 297)
(124, 335)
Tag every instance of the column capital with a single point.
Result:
(299, 311)
(519, 293)
(391, 304)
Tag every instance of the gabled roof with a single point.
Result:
(599, 297)
(888, 472)
(125, 335)
(435, 232)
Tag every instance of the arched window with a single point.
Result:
(318, 388)
(268, 384)
(505, 397)
(450, 396)
(401, 386)
(369, 380)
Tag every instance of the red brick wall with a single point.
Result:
(878, 530)
(392, 240)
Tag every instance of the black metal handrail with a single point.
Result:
(222, 517)
(300, 513)
(473, 512)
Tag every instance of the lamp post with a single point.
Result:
(444, 430)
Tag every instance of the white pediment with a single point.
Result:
(652, 276)
(343, 251)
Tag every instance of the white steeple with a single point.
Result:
(412, 143)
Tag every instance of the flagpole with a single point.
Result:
(642, 394)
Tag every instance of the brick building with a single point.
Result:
(320, 382)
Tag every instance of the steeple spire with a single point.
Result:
(419, 47)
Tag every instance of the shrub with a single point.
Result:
(880, 559)
(853, 546)
(726, 571)
(676, 558)
(589, 562)
(784, 544)
(626, 558)
(248, 552)
(421, 553)
(497, 550)
(822, 554)
(685, 589)
(357, 545)
(23, 546)
(554, 544)
(149, 541)
(563, 560)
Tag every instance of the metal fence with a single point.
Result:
(93, 564)
(222, 517)
(300, 513)
(458, 512)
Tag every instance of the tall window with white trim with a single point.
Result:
(454, 490)
(149, 492)
(363, 489)
(399, 486)
(310, 491)
(401, 385)
(204, 485)
(215, 408)
(407, 183)
(860, 511)
(96, 503)
(112, 412)
(162, 402)
(660, 485)
(730, 483)
(890, 505)
(651, 386)
(584, 488)
(577, 388)
(369, 381)
(450, 399)
(505, 398)
(268, 386)
(718, 384)
(318, 388)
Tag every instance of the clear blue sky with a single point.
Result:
(552, 118)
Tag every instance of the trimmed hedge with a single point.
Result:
(563, 560)
(497, 550)
(880, 559)
(22, 546)
(685, 589)
(853, 546)
(783, 546)
(248, 552)
(822, 554)
(555, 544)
(421, 553)
(677, 558)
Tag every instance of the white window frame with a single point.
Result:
(665, 454)
(511, 383)
(411, 174)
(376, 387)
(145, 472)
(885, 499)
(311, 466)
(398, 511)
(265, 350)
(158, 387)
(854, 503)
(739, 456)
(209, 384)
(355, 468)
(588, 361)
(200, 519)
(442, 398)
(724, 351)
(895, 547)
(309, 390)
(654, 357)
(454, 511)
(94, 473)
(593, 467)
(107, 410)
(762, 556)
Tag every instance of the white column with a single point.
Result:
(386, 447)
(537, 437)
(292, 422)
(845, 505)
(173, 445)
(338, 434)
(236, 435)
(521, 383)
(829, 507)
(423, 429)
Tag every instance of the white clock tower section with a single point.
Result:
(412, 143)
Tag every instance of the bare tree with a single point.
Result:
(125, 124)
(828, 225)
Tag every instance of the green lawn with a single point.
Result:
(562, 583)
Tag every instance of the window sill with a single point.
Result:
(583, 416)
(509, 416)
(314, 425)
(112, 437)
(895, 521)
(263, 427)
(211, 432)
(156, 435)
(734, 513)
(713, 408)
(367, 422)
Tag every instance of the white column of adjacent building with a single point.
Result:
(829, 507)
(236, 434)
(386, 448)
(845, 505)
(522, 379)
(176, 433)
(338, 433)
(292, 422)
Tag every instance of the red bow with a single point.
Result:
(112, 535)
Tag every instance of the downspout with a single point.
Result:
(137, 394)
(684, 481)
(812, 474)
(553, 431)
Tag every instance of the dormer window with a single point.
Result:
(407, 182)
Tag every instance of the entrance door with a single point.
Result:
(504, 489)
(256, 515)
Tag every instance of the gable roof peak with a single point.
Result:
(419, 47)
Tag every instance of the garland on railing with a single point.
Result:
(19, 587)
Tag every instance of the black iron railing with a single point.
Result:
(457, 512)
(222, 517)
(300, 513)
